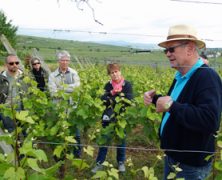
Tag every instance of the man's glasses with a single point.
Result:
(36, 63)
(172, 49)
(12, 63)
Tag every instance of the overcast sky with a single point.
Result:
(143, 21)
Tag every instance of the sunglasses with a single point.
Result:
(172, 49)
(36, 63)
(12, 63)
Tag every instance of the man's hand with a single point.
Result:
(148, 97)
(163, 104)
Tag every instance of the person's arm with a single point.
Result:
(128, 91)
(75, 83)
(4, 89)
(107, 97)
(52, 84)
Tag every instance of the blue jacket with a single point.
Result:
(194, 118)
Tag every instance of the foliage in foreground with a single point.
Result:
(54, 124)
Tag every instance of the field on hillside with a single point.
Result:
(93, 53)
(84, 50)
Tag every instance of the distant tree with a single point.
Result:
(8, 30)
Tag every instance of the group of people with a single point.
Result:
(67, 79)
(191, 109)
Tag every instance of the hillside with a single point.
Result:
(93, 52)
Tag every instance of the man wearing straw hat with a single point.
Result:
(191, 109)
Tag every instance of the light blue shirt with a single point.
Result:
(181, 81)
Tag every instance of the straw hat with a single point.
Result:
(182, 32)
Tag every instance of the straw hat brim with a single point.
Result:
(200, 44)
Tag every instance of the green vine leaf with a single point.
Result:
(80, 164)
(120, 132)
(53, 169)
(145, 171)
(89, 150)
(82, 113)
(23, 116)
(100, 175)
(171, 176)
(113, 172)
(219, 143)
(11, 174)
(34, 165)
(58, 150)
(70, 139)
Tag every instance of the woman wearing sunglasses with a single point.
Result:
(40, 75)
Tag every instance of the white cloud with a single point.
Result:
(150, 17)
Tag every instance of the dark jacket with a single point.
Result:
(194, 118)
(41, 77)
(4, 88)
(110, 100)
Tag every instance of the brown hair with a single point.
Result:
(113, 66)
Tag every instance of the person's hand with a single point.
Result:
(116, 90)
(163, 103)
(148, 97)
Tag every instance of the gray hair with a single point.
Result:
(61, 54)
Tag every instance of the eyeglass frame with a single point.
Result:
(12, 63)
(172, 48)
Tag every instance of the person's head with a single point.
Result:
(63, 58)
(181, 46)
(113, 70)
(204, 58)
(36, 64)
(12, 63)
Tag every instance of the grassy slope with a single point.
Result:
(89, 52)
(84, 50)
